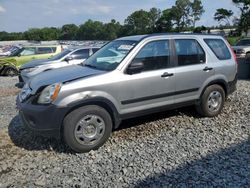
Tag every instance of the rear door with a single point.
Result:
(192, 69)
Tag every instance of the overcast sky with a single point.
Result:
(20, 15)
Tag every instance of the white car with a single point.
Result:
(65, 58)
(242, 48)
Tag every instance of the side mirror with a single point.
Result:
(135, 67)
(69, 58)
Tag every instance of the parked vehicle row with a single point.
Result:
(65, 58)
(128, 77)
(9, 66)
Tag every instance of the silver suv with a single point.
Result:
(129, 77)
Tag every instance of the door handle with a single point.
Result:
(207, 69)
(166, 74)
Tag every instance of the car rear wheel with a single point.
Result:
(212, 101)
(87, 128)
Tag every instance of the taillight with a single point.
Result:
(235, 58)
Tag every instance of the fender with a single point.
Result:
(99, 101)
(220, 82)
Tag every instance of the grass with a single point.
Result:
(233, 40)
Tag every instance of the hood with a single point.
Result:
(62, 75)
(35, 63)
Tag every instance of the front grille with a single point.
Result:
(239, 51)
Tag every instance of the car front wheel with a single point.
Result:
(87, 128)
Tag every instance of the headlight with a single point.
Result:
(29, 69)
(49, 94)
(25, 92)
(241, 51)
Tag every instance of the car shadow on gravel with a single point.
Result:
(30, 141)
(133, 122)
(228, 167)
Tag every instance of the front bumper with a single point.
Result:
(42, 119)
(240, 55)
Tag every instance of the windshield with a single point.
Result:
(111, 55)
(60, 55)
(16, 52)
(243, 43)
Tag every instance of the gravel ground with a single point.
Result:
(170, 149)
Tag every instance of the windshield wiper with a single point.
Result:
(91, 66)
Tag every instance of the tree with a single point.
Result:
(181, 14)
(196, 11)
(111, 30)
(244, 22)
(91, 30)
(69, 32)
(223, 15)
(164, 23)
(154, 15)
(138, 23)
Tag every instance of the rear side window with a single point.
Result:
(53, 49)
(189, 52)
(154, 55)
(219, 48)
(81, 54)
(44, 50)
(95, 50)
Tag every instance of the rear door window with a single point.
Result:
(189, 52)
(219, 48)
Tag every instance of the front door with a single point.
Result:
(154, 86)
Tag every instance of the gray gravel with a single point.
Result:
(171, 149)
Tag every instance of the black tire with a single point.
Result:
(72, 121)
(203, 108)
(248, 56)
(10, 71)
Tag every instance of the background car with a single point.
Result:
(242, 48)
(9, 65)
(65, 58)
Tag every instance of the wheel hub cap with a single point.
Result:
(214, 101)
(89, 129)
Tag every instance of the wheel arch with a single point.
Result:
(219, 82)
(99, 101)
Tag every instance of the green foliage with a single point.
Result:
(196, 11)
(91, 30)
(164, 23)
(223, 15)
(233, 40)
(69, 32)
(244, 22)
(138, 23)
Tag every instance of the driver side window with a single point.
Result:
(154, 55)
